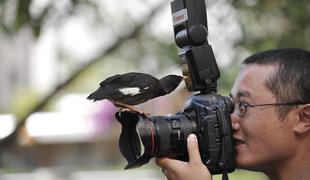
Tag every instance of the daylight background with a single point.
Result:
(54, 53)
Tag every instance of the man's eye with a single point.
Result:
(243, 104)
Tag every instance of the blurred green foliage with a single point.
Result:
(267, 25)
(273, 24)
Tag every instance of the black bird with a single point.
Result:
(129, 89)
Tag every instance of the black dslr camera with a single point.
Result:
(206, 114)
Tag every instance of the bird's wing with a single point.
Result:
(141, 90)
(110, 92)
(106, 89)
(130, 80)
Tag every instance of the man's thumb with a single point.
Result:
(193, 149)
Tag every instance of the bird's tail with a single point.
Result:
(92, 96)
(97, 95)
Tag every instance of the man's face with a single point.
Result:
(264, 140)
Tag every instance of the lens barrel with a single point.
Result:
(171, 134)
(165, 135)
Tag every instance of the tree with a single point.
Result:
(273, 24)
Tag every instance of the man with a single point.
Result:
(271, 121)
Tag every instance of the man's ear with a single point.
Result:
(303, 124)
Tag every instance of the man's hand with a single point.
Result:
(180, 170)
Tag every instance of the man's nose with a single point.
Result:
(235, 121)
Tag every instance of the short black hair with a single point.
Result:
(291, 81)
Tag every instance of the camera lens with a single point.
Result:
(164, 135)
(180, 126)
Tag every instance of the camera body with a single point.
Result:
(211, 112)
(206, 114)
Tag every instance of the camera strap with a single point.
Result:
(225, 170)
(225, 176)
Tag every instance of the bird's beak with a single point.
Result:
(185, 77)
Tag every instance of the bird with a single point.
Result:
(133, 88)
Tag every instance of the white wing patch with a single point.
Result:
(146, 88)
(130, 91)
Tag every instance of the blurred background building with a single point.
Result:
(54, 53)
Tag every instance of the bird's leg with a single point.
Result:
(127, 107)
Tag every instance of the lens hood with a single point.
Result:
(129, 142)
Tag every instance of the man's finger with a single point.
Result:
(168, 163)
(169, 175)
(193, 150)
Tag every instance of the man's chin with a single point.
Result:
(246, 164)
(243, 161)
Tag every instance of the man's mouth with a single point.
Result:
(238, 141)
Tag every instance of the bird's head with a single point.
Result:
(171, 82)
